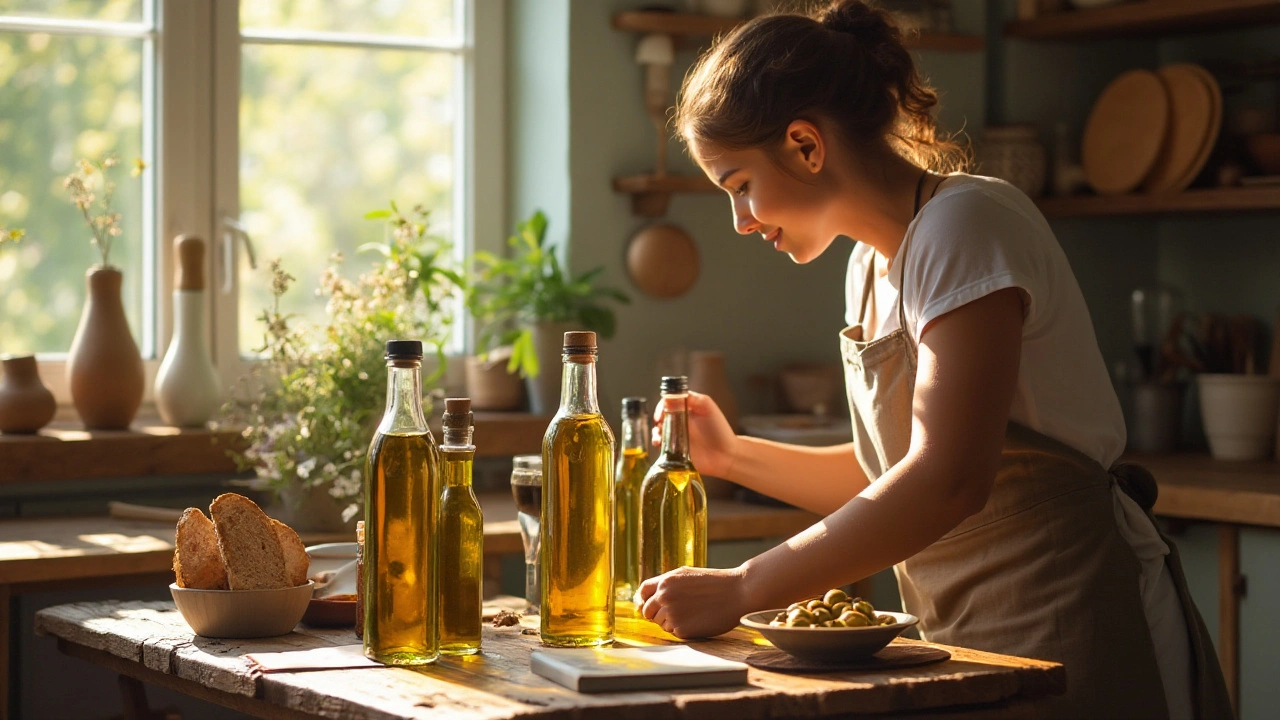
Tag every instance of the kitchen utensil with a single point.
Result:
(1190, 120)
(832, 644)
(1156, 417)
(1152, 312)
(1125, 132)
(662, 260)
(242, 613)
(129, 511)
(341, 581)
(1215, 128)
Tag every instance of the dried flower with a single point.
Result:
(105, 223)
(11, 236)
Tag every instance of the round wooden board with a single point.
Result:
(662, 260)
(1125, 132)
(896, 655)
(1190, 120)
(1215, 127)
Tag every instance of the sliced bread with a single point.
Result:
(197, 563)
(249, 544)
(296, 561)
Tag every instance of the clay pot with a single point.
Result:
(490, 386)
(104, 367)
(26, 405)
(548, 342)
(707, 375)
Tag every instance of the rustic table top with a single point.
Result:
(150, 640)
(52, 549)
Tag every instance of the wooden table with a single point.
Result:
(69, 553)
(150, 642)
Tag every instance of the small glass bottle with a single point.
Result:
(633, 462)
(577, 508)
(673, 503)
(461, 536)
(402, 494)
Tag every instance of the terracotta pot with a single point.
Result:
(548, 342)
(707, 375)
(104, 367)
(26, 405)
(490, 386)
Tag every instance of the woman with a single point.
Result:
(984, 419)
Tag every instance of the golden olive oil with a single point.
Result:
(576, 558)
(633, 462)
(402, 493)
(461, 537)
(673, 503)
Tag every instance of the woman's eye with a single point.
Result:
(741, 189)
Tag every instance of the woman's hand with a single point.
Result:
(694, 602)
(712, 442)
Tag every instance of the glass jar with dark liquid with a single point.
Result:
(526, 487)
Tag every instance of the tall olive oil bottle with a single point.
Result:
(673, 503)
(461, 535)
(633, 462)
(577, 508)
(402, 493)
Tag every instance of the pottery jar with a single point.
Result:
(104, 367)
(1014, 154)
(26, 405)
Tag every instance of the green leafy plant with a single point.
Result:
(92, 193)
(508, 294)
(310, 407)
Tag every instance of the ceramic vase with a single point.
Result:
(548, 342)
(490, 386)
(26, 405)
(104, 367)
(707, 375)
(1239, 414)
(188, 391)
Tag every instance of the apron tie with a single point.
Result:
(1138, 483)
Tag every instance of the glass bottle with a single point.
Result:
(461, 535)
(673, 503)
(526, 488)
(402, 492)
(633, 461)
(577, 508)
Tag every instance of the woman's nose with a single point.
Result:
(743, 221)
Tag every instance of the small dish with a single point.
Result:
(330, 556)
(333, 611)
(242, 613)
(829, 644)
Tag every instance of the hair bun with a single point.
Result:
(856, 17)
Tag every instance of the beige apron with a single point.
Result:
(1040, 572)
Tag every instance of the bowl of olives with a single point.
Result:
(832, 628)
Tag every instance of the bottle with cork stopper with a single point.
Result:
(576, 557)
(188, 391)
(461, 544)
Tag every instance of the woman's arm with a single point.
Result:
(964, 387)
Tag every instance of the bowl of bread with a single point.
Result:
(241, 574)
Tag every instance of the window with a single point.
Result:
(287, 118)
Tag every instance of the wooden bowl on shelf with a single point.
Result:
(1264, 149)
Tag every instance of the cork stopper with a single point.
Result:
(189, 251)
(457, 413)
(579, 342)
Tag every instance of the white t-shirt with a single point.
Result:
(979, 235)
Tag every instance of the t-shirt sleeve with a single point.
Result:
(966, 246)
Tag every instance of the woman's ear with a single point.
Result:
(804, 143)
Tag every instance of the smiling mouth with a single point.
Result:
(773, 236)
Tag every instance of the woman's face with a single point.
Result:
(780, 197)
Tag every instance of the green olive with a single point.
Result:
(837, 623)
(799, 622)
(793, 606)
(822, 614)
(799, 614)
(815, 604)
(854, 619)
(839, 608)
(865, 608)
(888, 620)
(835, 596)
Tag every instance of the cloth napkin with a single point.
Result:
(325, 658)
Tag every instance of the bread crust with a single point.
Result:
(296, 561)
(249, 544)
(197, 561)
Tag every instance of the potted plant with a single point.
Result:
(528, 301)
(310, 407)
(104, 367)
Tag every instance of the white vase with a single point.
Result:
(1239, 414)
(188, 391)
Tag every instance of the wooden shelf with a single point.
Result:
(1150, 17)
(689, 25)
(1234, 199)
(650, 194)
(69, 453)
(1197, 487)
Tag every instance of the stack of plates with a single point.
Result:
(1152, 130)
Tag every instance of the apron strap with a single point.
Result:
(867, 286)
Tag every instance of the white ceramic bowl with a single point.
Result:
(242, 613)
(1239, 414)
(829, 644)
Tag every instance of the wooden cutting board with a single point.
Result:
(1190, 123)
(1215, 127)
(1125, 132)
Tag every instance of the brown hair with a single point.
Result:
(845, 62)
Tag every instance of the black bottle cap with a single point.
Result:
(404, 350)
(634, 407)
(675, 385)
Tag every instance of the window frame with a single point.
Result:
(192, 55)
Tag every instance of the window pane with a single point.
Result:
(418, 18)
(108, 10)
(63, 98)
(326, 135)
